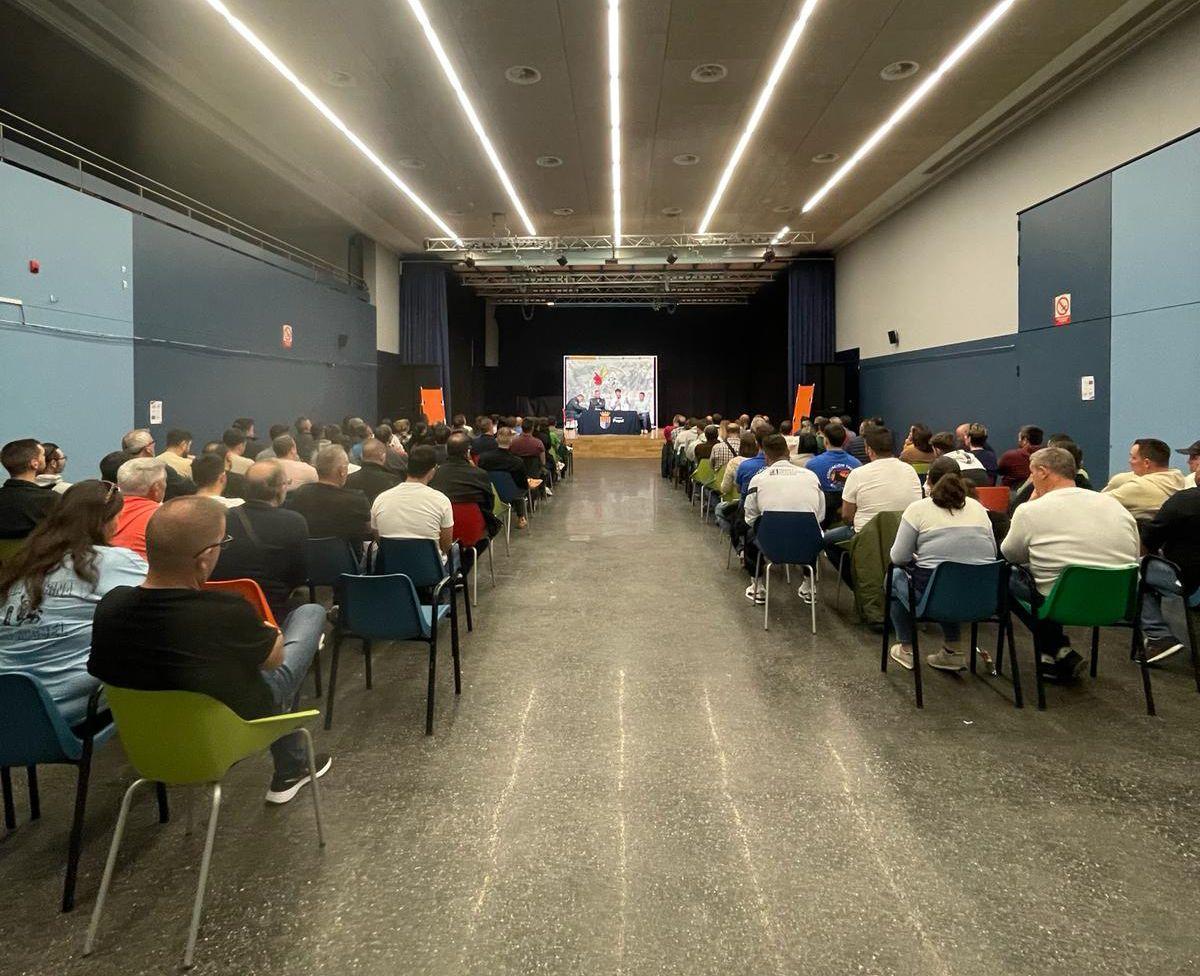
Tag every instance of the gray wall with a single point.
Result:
(209, 324)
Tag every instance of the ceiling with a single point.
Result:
(167, 87)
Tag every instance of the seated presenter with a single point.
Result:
(619, 401)
(642, 406)
(574, 408)
(597, 402)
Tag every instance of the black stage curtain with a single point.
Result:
(810, 319)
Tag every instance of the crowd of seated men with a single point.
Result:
(102, 580)
(916, 504)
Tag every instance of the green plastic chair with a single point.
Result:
(183, 738)
(712, 487)
(701, 476)
(1091, 596)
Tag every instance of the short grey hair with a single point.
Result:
(1056, 460)
(138, 475)
(136, 440)
(329, 459)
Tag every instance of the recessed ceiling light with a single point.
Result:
(339, 78)
(671, 211)
(706, 74)
(469, 111)
(549, 162)
(614, 114)
(330, 116)
(783, 208)
(411, 162)
(523, 74)
(960, 51)
(685, 159)
(760, 108)
(563, 211)
(826, 158)
(898, 70)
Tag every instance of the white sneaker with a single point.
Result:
(806, 591)
(756, 593)
(902, 656)
(549, 493)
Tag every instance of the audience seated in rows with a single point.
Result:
(329, 506)
(52, 473)
(171, 634)
(374, 475)
(726, 447)
(50, 588)
(1150, 480)
(23, 502)
(234, 438)
(917, 449)
(833, 467)
(210, 473)
(461, 481)
(268, 453)
(1173, 533)
(143, 482)
(1192, 453)
(413, 510)
(295, 471)
(502, 459)
(1013, 466)
(139, 443)
(944, 444)
(177, 455)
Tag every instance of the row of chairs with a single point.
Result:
(186, 739)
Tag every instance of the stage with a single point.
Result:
(620, 446)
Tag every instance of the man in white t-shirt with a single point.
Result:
(1062, 525)
(778, 487)
(296, 471)
(413, 510)
(883, 484)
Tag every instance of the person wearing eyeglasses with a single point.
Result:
(171, 634)
(23, 503)
(52, 475)
(50, 589)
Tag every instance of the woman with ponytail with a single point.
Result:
(948, 525)
(49, 590)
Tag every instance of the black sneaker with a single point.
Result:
(1161, 648)
(284, 788)
(1068, 667)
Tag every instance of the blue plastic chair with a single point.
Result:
(387, 608)
(958, 593)
(509, 493)
(33, 732)
(788, 539)
(421, 561)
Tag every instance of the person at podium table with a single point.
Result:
(619, 401)
(596, 403)
(574, 408)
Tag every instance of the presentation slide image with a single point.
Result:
(611, 383)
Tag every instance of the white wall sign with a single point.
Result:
(1087, 388)
(156, 411)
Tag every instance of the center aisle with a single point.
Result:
(638, 780)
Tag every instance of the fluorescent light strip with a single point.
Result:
(964, 46)
(614, 111)
(472, 116)
(271, 58)
(783, 231)
(760, 107)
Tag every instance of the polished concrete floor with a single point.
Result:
(637, 779)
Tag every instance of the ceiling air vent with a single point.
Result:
(706, 74)
(523, 74)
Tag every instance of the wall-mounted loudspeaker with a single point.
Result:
(893, 337)
(343, 339)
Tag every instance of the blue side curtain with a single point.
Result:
(424, 322)
(811, 334)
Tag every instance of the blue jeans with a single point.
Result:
(301, 635)
(1155, 625)
(902, 599)
(1048, 636)
(834, 551)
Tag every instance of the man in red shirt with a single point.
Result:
(1013, 466)
(143, 482)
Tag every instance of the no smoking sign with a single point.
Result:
(1062, 309)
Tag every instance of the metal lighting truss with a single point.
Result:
(628, 285)
(604, 242)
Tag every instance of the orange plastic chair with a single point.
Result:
(994, 499)
(249, 591)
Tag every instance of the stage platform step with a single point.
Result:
(622, 446)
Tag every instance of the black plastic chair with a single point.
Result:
(1171, 586)
(958, 593)
(328, 558)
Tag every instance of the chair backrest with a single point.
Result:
(498, 503)
(384, 607)
(1092, 596)
(703, 471)
(469, 526)
(961, 592)
(995, 498)
(179, 737)
(249, 591)
(505, 487)
(32, 730)
(789, 537)
(418, 559)
(921, 467)
(328, 558)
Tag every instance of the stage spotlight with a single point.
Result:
(768, 255)
(562, 260)
(672, 257)
(469, 261)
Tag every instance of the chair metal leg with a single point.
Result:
(837, 601)
(316, 789)
(202, 882)
(812, 578)
(466, 602)
(35, 799)
(316, 673)
(887, 618)
(75, 843)
(787, 573)
(916, 652)
(10, 809)
(366, 649)
(1096, 650)
(508, 530)
(767, 600)
(491, 551)
(164, 811)
(1005, 627)
(432, 674)
(1139, 648)
(1037, 673)
(974, 640)
(333, 670)
(110, 865)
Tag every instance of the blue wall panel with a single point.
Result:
(74, 389)
(192, 291)
(945, 387)
(1154, 360)
(1065, 247)
(1156, 230)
